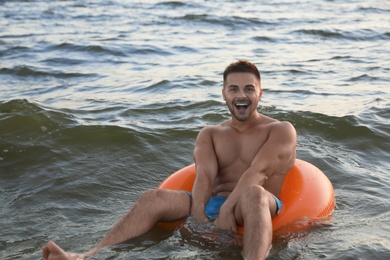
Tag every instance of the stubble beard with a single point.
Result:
(237, 116)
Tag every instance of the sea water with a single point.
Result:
(101, 100)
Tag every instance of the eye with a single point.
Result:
(233, 89)
(250, 89)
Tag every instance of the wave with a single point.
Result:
(361, 138)
(263, 39)
(365, 77)
(24, 119)
(229, 21)
(376, 10)
(29, 71)
(25, 124)
(110, 50)
(171, 4)
(357, 35)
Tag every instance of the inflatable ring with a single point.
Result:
(307, 194)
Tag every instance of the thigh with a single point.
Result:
(270, 205)
(176, 204)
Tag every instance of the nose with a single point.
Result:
(241, 94)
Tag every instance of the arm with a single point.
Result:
(276, 156)
(206, 170)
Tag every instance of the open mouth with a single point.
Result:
(241, 106)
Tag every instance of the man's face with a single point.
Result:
(242, 94)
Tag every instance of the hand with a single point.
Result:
(200, 218)
(226, 221)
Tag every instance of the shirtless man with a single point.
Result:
(240, 166)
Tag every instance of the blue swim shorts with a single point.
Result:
(214, 205)
(279, 204)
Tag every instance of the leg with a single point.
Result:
(255, 210)
(152, 207)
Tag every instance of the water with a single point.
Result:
(101, 100)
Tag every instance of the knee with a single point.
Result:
(149, 196)
(254, 196)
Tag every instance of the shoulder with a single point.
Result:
(278, 129)
(210, 129)
(206, 133)
(207, 130)
(283, 126)
(283, 132)
(276, 125)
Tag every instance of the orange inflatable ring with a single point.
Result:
(307, 194)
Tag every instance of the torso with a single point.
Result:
(235, 151)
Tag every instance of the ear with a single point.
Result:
(223, 94)
(261, 94)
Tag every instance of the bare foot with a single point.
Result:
(53, 252)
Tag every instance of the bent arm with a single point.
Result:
(276, 156)
(206, 166)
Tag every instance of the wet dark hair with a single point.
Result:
(241, 66)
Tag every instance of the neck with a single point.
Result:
(248, 123)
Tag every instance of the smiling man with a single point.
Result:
(240, 168)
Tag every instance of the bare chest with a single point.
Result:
(238, 150)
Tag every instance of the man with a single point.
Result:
(240, 168)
